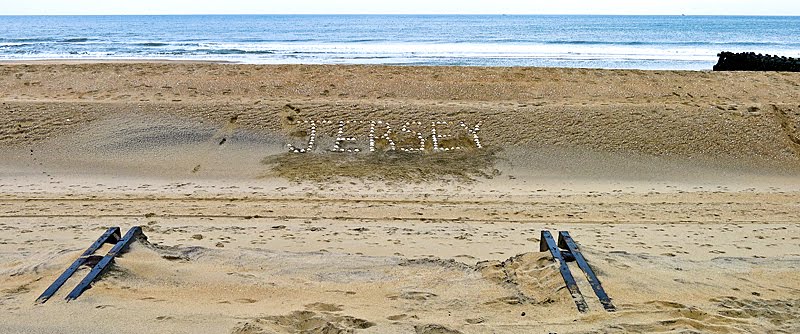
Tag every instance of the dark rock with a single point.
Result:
(750, 61)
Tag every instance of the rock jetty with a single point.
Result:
(750, 61)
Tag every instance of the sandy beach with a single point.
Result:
(680, 187)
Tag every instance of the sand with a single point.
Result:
(680, 187)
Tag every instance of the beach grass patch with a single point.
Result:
(466, 165)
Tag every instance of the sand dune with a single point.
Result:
(698, 114)
(680, 187)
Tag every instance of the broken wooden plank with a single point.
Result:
(548, 243)
(133, 234)
(566, 241)
(110, 236)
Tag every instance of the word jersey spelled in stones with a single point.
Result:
(371, 136)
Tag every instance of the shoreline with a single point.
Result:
(68, 61)
(61, 61)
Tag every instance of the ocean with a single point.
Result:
(633, 42)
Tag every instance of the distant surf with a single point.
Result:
(635, 42)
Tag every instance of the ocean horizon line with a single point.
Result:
(403, 14)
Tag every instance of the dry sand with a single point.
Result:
(680, 187)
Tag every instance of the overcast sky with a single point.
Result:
(657, 7)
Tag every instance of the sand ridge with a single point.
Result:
(696, 114)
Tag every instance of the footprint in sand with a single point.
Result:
(399, 317)
(324, 307)
(414, 295)
(304, 322)
(434, 329)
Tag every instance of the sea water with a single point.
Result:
(638, 42)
